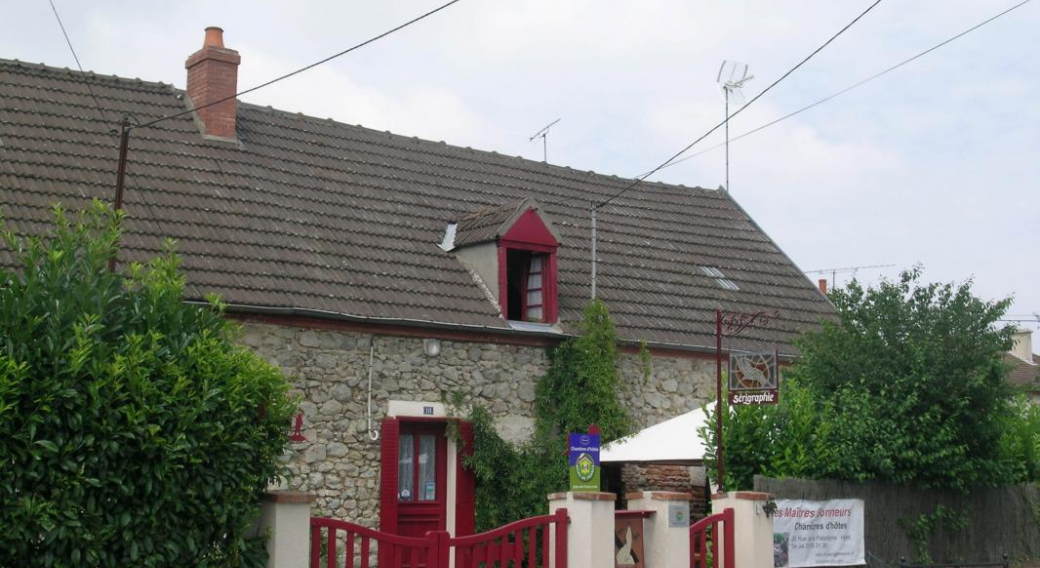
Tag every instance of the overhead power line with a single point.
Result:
(76, 57)
(305, 68)
(853, 86)
(596, 207)
(640, 179)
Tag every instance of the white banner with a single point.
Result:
(818, 533)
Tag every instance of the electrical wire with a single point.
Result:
(76, 57)
(305, 68)
(741, 109)
(854, 86)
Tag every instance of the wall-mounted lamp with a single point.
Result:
(432, 347)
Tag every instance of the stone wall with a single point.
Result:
(329, 370)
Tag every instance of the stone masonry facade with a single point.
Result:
(329, 370)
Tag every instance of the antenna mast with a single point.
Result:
(853, 269)
(731, 78)
(543, 134)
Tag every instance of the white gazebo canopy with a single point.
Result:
(675, 441)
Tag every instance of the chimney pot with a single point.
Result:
(823, 286)
(213, 83)
(214, 37)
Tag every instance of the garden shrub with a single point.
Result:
(908, 387)
(133, 430)
(580, 388)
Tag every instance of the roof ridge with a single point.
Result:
(534, 165)
(127, 81)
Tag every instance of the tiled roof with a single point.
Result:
(486, 224)
(1022, 373)
(316, 215)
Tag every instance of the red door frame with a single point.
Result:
(465, 482)
(414, 509)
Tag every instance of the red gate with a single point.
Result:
(525, 544)
(720, 527)
(508, 543)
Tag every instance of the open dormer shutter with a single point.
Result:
(534, 291)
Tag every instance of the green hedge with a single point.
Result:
(133, 430)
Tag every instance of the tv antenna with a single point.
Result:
(731, 78)
(543, 134)
(834, 272)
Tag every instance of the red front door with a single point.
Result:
(422, 471)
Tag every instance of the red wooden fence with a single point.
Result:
(508, 544)
(721, 528)
(361, 543)
(525, 544)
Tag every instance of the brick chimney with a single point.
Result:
(212, 76)
(823, 286)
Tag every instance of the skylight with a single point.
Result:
(449, 237)
(719, 277)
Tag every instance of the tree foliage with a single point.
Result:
(579, 389)
(907, 387)
(133, 431)
(582, 386)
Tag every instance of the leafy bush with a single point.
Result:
(512, 481)
(580, 389)
(908, 388)
(133, 431)
(581, 386)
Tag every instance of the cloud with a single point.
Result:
(427, 111)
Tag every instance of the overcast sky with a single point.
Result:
(936, 163)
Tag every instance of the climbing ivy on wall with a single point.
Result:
(580, 388)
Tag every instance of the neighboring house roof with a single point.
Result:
(1022, 373)
(320, 217)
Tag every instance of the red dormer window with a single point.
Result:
(527, 270)
(525, 275)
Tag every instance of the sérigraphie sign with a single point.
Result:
(584, 462)
(818, 533)
(754, 379)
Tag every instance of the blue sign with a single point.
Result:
(583, 459)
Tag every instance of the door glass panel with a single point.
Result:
(406, 468)
(427, 467)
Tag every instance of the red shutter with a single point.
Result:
(550, 297)
(503, 281)
(465, 486)
(391, 433)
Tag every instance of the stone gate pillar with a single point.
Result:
(752, 527)
(590, 534)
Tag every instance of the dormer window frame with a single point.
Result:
(550, 307)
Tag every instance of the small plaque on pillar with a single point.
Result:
(678, 514)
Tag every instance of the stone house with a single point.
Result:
(380, 271)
